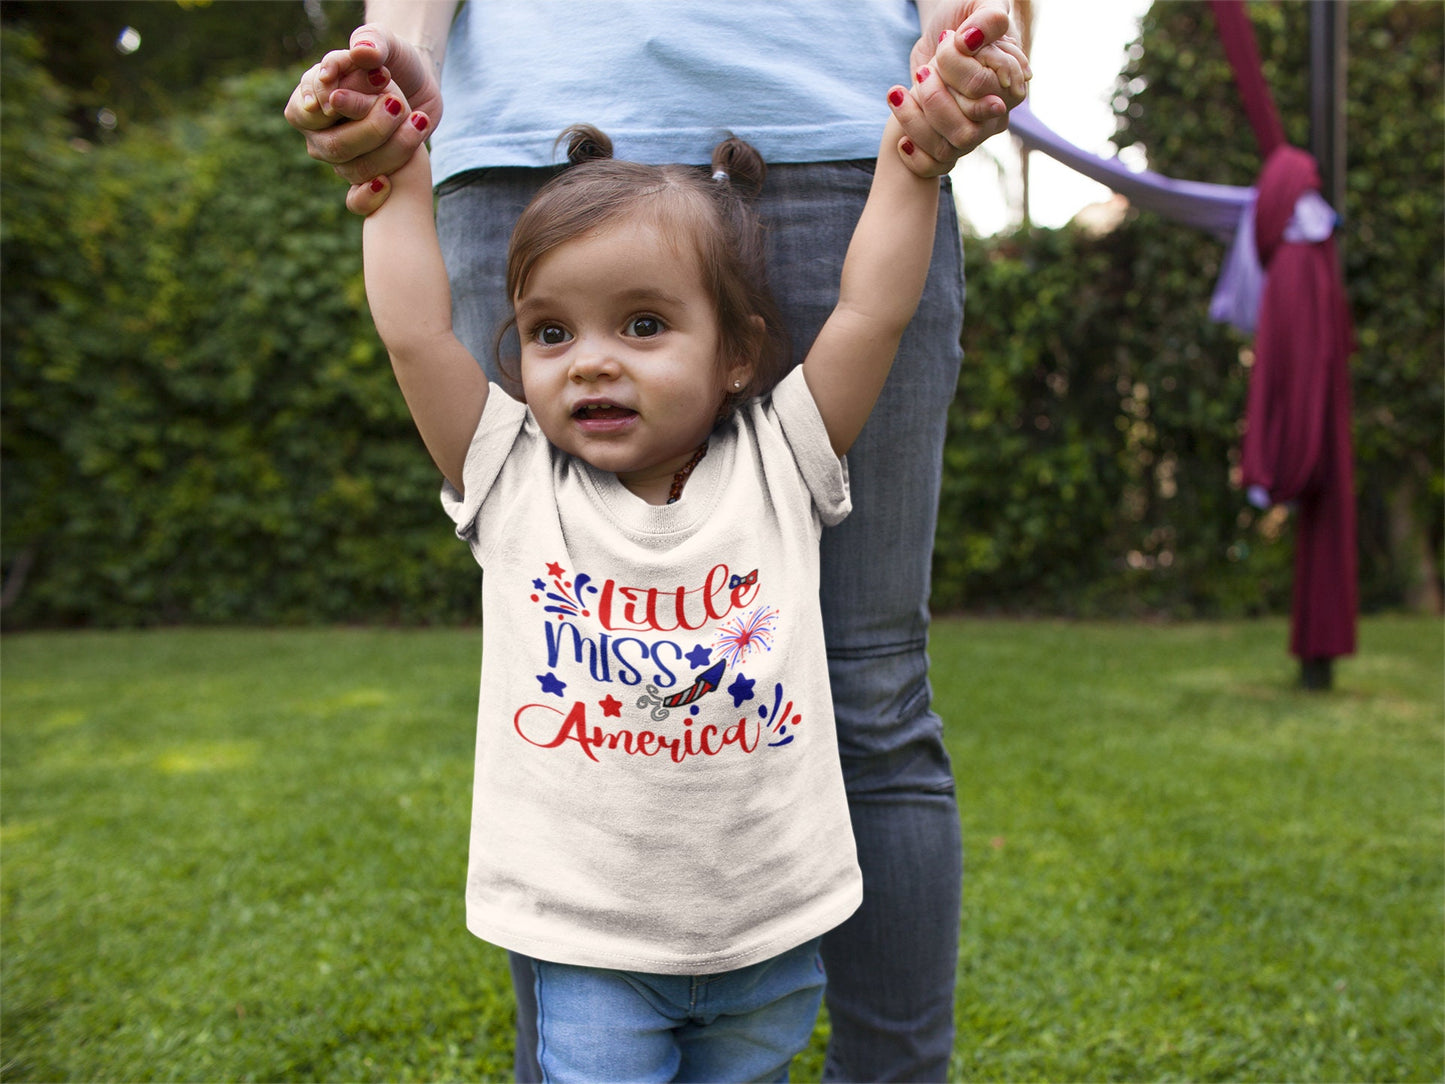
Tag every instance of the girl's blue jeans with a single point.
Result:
(891, 967)
(598, 1025)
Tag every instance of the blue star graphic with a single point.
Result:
(540, 585)
(699, 657)
(741, 690)
(550, 684)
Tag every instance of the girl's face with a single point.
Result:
(620, 353)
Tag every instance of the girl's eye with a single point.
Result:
(644, 327)
(550, 335)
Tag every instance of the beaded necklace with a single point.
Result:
(680, 478)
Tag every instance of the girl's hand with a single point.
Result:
(959, 29)
(354, 105)
(965, 82)
(334, 89)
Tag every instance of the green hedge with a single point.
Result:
(1088, 468)
(199, 424)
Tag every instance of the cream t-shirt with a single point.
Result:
(657, 779)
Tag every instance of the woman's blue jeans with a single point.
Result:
(892, 966)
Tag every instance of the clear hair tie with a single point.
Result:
(721, 176)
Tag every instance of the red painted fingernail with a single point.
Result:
(973, 39)
(393, 107)
(368, 44)
(922, 74)
(378, 78)
(942, 34)
(377, 185)
(418, 121)
(895, 97)
(908, 146)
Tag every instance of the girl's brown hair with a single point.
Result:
(712, 213)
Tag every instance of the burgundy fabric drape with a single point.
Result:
(1236, 33)
(1297, 420)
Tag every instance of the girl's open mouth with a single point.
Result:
(601, 418)
(602, 412)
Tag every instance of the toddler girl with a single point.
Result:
(659, 816)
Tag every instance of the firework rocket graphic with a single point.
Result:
(706, 682)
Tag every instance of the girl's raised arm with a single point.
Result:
(883, 276)
(406, 286)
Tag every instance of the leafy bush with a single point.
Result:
(200, 423)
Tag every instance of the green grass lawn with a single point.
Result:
(239, 855)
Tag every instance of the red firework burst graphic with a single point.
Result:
(738, 637)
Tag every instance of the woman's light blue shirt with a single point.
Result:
(801, 80)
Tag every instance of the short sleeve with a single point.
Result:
(501, 424)
(826, 474)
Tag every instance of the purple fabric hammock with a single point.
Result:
(1224, 210)
(1212, 207)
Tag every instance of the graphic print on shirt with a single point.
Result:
(670, 665)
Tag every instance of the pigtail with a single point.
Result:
(752, 326)
(738, 164)
(584, 144)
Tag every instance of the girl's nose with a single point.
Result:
(593, 361)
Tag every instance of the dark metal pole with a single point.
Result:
(1327, 144)
(1327, 97)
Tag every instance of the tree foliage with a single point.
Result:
(125, 62)
(1092, 461)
